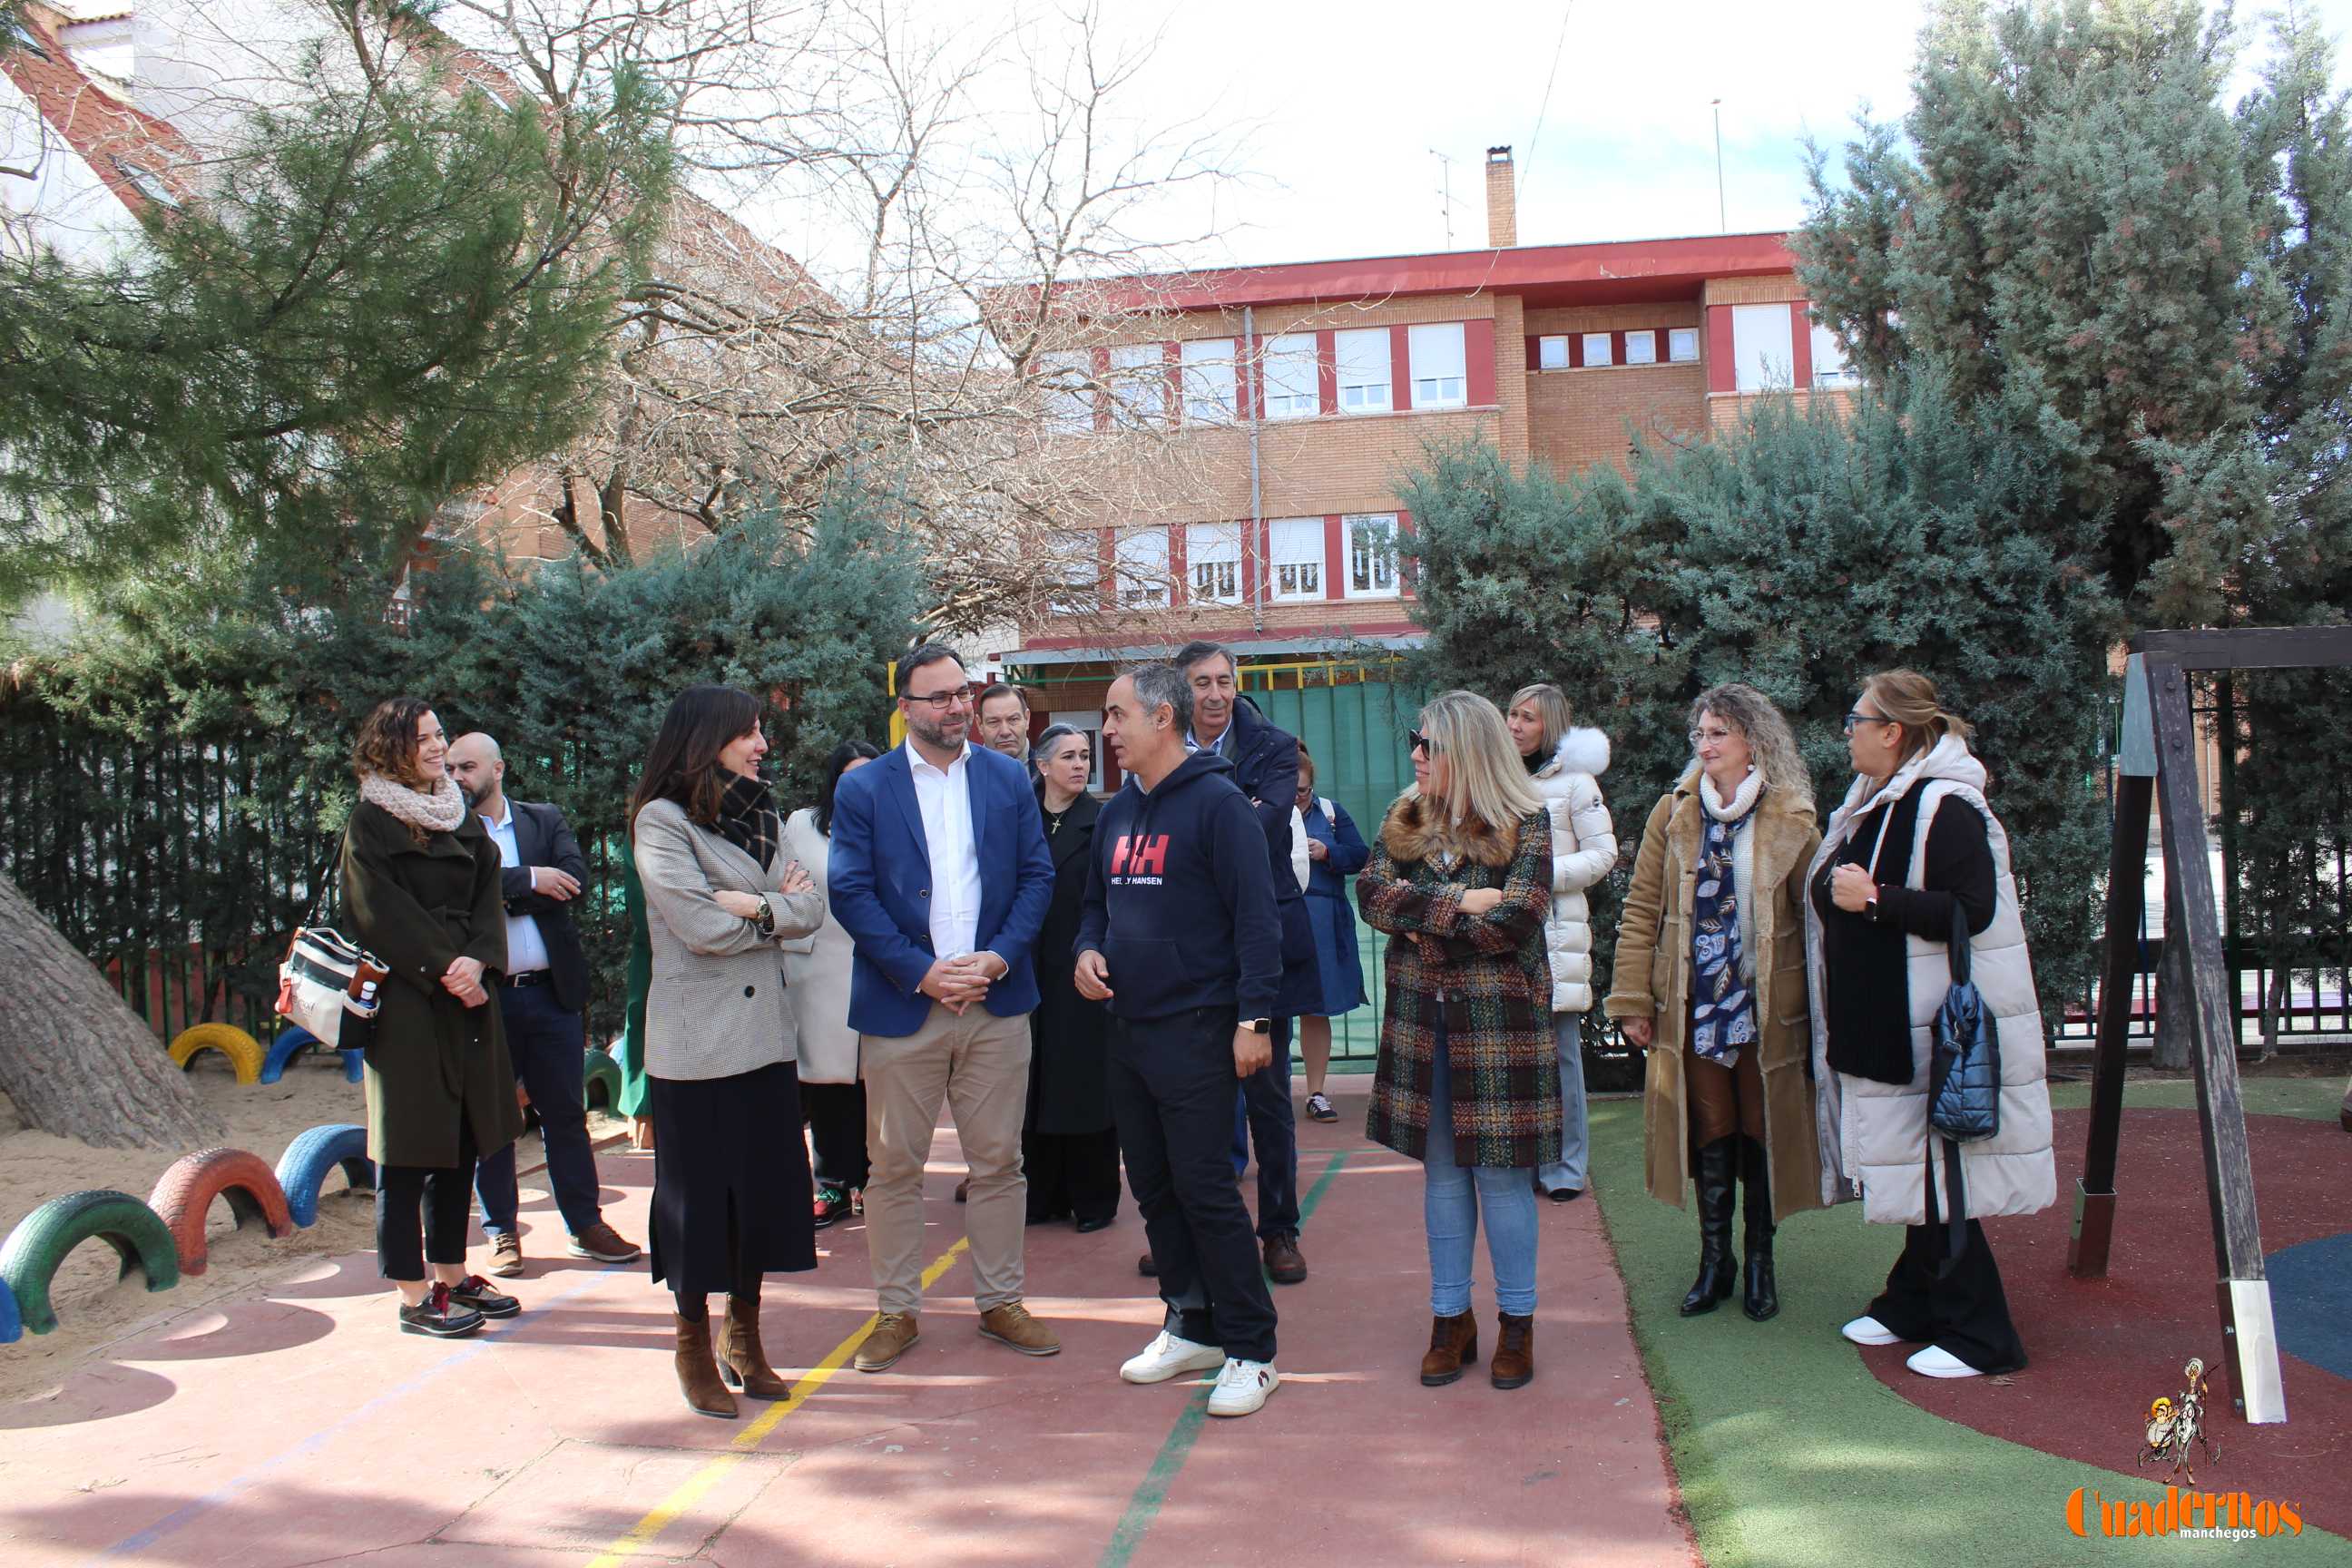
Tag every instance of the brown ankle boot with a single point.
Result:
(743, 1363)
(697, 1378)
(1453, 1345)
(1514, 1365)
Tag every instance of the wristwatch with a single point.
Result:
(766, 918)
(1258, 1025)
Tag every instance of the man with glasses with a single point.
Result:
(940, 874)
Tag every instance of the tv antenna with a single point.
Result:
(1446, 192)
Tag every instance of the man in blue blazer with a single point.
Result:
(940, 874)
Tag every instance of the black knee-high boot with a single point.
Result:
(1717, 1193)
(1760, 1297)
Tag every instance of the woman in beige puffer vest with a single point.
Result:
(1565, 764)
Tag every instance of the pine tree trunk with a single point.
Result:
(74, 1057)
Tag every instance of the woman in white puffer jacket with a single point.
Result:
(1565, 764)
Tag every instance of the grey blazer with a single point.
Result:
(716, 1005)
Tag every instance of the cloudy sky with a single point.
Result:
(1343, 114)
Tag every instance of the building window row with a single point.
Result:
(1593, 351)
(1202, 381)
(1297, 568)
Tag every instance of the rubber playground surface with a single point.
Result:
(291, 1425)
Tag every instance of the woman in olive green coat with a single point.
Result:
(421, 892)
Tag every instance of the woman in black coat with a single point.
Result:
(421, 892)
(1068, 1146)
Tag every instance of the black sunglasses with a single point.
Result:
(1414, 741)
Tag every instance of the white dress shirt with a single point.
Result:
(526, 949)
(944, 796)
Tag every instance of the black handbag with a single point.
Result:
(1963, 1084)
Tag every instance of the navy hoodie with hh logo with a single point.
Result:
(1180, 898)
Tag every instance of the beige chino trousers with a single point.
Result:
(979, 1064)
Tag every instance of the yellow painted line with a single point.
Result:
(690, 1490)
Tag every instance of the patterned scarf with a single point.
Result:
(1723, 1004)
(748, 819)
(437, 810)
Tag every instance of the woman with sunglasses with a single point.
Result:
(1912, 858)
(1467, 1083)
(1710, 981)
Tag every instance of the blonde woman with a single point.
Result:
(1710, 979)
(1467, 1083)
(1565, 764)
(1912, 855)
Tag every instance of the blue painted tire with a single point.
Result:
(29, 1258)
(302, 1169)
(12, 1325)
(600, 1072)
(291, 1042)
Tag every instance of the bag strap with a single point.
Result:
(1956, 1242)
(1959, 953)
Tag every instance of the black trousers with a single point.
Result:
(836, 1119)
(444, 1199)
(545, 1042)
(1965, 1313)
(1172, 1092)
(1264, 1115)
(1074, 1174)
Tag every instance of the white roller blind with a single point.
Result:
(1363, 361)
(1290, 389)
(1212, 562)
(1763, 347)
(1438, 380)
(1208, 368)
(1143, 567)
(1295, 558)
(1139, 385)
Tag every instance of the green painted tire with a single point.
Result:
(29, 1258)
(602, 1076)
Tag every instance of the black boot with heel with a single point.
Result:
(1760, 1294)
(1716, 1195)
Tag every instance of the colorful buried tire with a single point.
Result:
(29, 1258)
(602, 1073)
(243, 1051)
(183, 1197)
(303, 1168)
(292, 1041)
(12, 1327)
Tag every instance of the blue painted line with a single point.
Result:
(188, 1513)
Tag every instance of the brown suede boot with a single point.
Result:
(698, 1377)
(743, 1363)
(1453, 1345)
(1514, 1365)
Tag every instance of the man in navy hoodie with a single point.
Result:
(1179, 936)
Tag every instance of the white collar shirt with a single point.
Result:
(526, 949)
(944, 797)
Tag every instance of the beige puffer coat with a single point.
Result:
(1584, 851)
(1874, 1136)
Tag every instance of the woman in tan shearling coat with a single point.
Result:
(1711, 979)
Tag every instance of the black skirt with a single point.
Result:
(731, 1179)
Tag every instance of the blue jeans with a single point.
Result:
(1567, 1171)
(546, 1043)
(1451, 1198)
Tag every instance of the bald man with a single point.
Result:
(540, 997)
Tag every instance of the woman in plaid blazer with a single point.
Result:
(1468, 1082)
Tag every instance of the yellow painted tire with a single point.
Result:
(243, 1051)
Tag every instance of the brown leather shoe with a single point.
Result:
(1283, 1265)
(602, 1243)
(505, 1255)
(1453, 1345)
(890, 1337)
(1011, 1324)
(697, 1376)
(742, 1363)
(1147, 1266)
(1514, 1365)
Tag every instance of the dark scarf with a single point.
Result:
(1723, 1006)
(748, 819)
(1867, 961)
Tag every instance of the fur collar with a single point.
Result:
(1579, 752)
(1410, 834)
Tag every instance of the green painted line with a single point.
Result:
(1169, 1463)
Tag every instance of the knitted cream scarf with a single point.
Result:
(439, 811)
(1742, 801)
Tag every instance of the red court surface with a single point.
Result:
(295, 1426)
(2102, 1349)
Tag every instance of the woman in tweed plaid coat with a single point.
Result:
(1468, 1082)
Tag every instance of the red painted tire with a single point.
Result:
(183, 1195)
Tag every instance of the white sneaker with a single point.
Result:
(1243, 1386)
(1169, 1356)
(1934, 1362)
(1870, 1331)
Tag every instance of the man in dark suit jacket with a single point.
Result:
(940, 874)
(1265, 768)
(540, 998)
